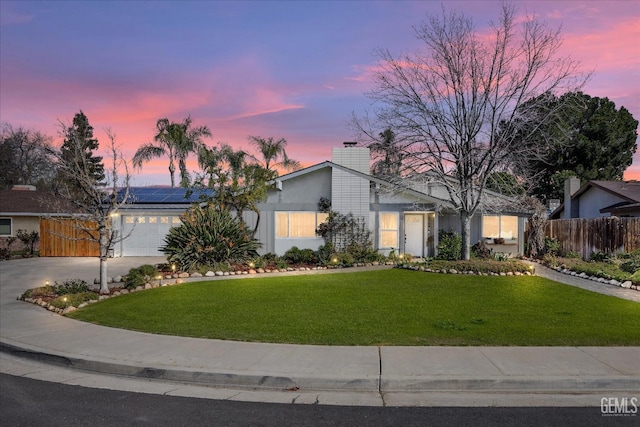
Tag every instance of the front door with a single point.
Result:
(414, 234)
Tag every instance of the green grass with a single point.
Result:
(389, 307)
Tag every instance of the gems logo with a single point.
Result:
(619, 407)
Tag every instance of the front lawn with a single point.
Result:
(389, 307)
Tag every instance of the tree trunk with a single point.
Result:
(104, 256)
(465, 222)
(172, 172)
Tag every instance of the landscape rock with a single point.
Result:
(183, 275)
(117, 279)
(626, 284)
(147, 286)
(209, 274)
(196, 274)
(219, 273)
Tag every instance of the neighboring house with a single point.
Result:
(599, 199)
(22, 207)
(401, 219)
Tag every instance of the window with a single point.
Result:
(389, 230)
(142, 219)
(5, 227)
(164, 220)
(153, 220)
(504, 226)
(175, 220)
(129, 220)
(298, 224)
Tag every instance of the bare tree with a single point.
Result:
(24, 158)
(94, 202)
(448, 104)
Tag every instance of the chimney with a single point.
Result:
(571, 207)
(24, 187)
(352, 157)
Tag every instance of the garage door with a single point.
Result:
(147, 233)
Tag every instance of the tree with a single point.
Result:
(95, 196)
(177, 141)
(389, 155)
(237, 182)
(588, 137)
(446, 104)
(78, 147)
(25, 158)
(274, 155)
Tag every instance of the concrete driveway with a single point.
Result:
(18, 275)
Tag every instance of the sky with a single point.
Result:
(285, 69)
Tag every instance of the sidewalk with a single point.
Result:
(29, 331)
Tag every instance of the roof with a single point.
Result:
(162, 195)
(629, 191)
(407, 190)
(32, 203)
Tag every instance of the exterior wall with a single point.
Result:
(594, 199)
(350, 194)
(28, 223)
(356, 158)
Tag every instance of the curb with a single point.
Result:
(377, 384)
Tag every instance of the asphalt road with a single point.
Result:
(28, 402)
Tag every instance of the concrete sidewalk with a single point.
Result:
(387, 372)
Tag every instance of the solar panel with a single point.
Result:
(155, 195)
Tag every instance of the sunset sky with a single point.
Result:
(283, 69)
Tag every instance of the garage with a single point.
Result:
(146, 220)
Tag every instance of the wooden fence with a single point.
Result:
(587, 235)
(63, 237)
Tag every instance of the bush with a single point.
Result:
(600, 257)
(481, 250)
(449, 245)
(209, 235)
(140, 275)
(73, 299)
(300, 256)
(551, 246)
(75, 286)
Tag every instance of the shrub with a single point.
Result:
(481, 250)
(449, 245)
(631, 266)
(75, 299)
(301, 256)
(551, 246)
(74, 286)
(43, 291)
(572, 254)
(325, 252)
(600, 257)
(209, 235)
(140, 275)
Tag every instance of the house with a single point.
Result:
(22, 207)
(405, 220)
(599, 199)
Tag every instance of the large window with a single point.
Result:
(298, 224)
(5, 227)
(389, 230)
(494, 226)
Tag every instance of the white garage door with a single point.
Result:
(147, 235)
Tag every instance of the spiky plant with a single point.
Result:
(209, 235)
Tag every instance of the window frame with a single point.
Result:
(10, 227)
(388, 230)
(281, 214)
(500, 217)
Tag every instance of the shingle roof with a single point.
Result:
(32, 202)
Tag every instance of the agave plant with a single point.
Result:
(209, 235)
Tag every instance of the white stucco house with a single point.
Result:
(405, 220)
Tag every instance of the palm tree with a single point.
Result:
(175, 140)
(273, 154)
(389, 154)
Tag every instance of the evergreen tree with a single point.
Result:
(77, 151)
(588, 137)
